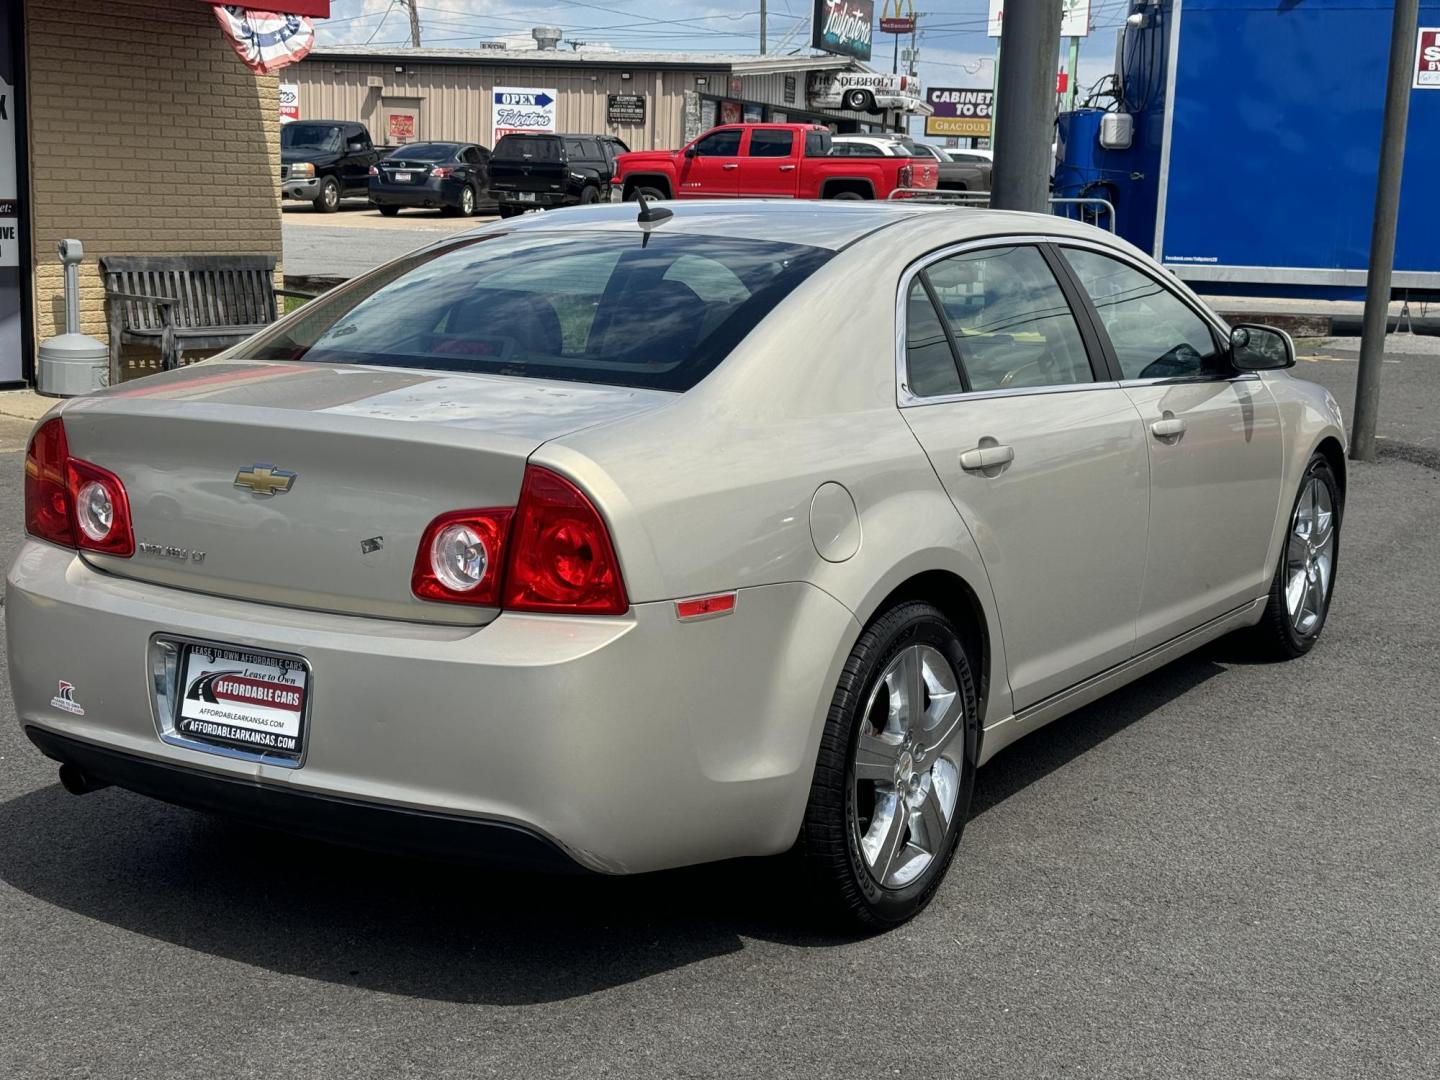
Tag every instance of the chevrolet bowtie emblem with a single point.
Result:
(265, 479)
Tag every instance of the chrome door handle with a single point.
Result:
(986, 457)
(732, 165)
(787, 168)
(1171, 427)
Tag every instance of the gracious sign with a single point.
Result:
(843, 27)
(959, 110)
(625, 110)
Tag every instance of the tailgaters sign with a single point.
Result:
(843, 27)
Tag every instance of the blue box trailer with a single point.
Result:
(1255, 144)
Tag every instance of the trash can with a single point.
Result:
(72, 363)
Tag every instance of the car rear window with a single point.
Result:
(424, 152)
(527, 148)
(596, 307)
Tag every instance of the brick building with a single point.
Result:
(137, 130)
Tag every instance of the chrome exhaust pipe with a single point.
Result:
(77, 783)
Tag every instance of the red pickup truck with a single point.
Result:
(778, 161)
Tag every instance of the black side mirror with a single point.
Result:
(356, 147)
(1260, 348)
(689, 151)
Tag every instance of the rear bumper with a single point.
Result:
(631, 743)
(324, 817)
(434, 193)
(547, 199)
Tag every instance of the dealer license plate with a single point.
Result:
(243, 700)
(403, 177)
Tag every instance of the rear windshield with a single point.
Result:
(527, 148)
(294, 136)
(424, 152)
(594, 307)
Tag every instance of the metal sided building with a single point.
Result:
(648, 100)
(1256, 133)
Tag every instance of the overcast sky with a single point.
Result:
(954, 50)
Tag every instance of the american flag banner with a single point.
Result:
(265, 40)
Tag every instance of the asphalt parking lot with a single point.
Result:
(356, 238)
(1224, 870)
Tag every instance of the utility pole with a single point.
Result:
(762, 27)
(1403, 32)
(1026, 106)
(409, 5)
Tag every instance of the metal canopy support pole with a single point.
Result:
(762, 27)
(1403, 32)
(1074, 70)
(1026, 106)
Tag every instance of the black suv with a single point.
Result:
(530, 172)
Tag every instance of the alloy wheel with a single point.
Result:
(467, 202)
(907, 765)
(1310, 557)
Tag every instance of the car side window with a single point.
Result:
(471, 155)
(857, 150)
(1155, 334)
(724, 143)
(767, 142)
(1010, 320)
(573, 150)
(590, 149)
(814, 144)
(930, 365)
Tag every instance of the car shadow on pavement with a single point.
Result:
(441, 931)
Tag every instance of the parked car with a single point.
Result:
(324, 161)
(541, 172)
(791, 161)
(869, 92)
(449, 176)
(631, 544)
(953, 176)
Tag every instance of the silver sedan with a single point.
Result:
(629, 543)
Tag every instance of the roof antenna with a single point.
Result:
(650, 215)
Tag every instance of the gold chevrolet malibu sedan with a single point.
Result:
(623, 542)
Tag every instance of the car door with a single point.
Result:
(1042, 454)
(709, 165)
(477, 164)
(1214, 440)
(768, 164)
(355, 164)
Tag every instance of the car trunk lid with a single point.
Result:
(309, 485)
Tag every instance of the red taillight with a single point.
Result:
(461, 557)
(550, 554)
(73, 502)
(47, 492)
(561, 558)
(907, 175)
(440, 172)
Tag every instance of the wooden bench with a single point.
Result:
(175, 302)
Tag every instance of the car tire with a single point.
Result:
(506, 211)
(1304, 582)
(858, 101)
(328, 201)
(466, 206)
(876, 840)
(651, 194)
(847, 196)
(388, 211)
(589, 194)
